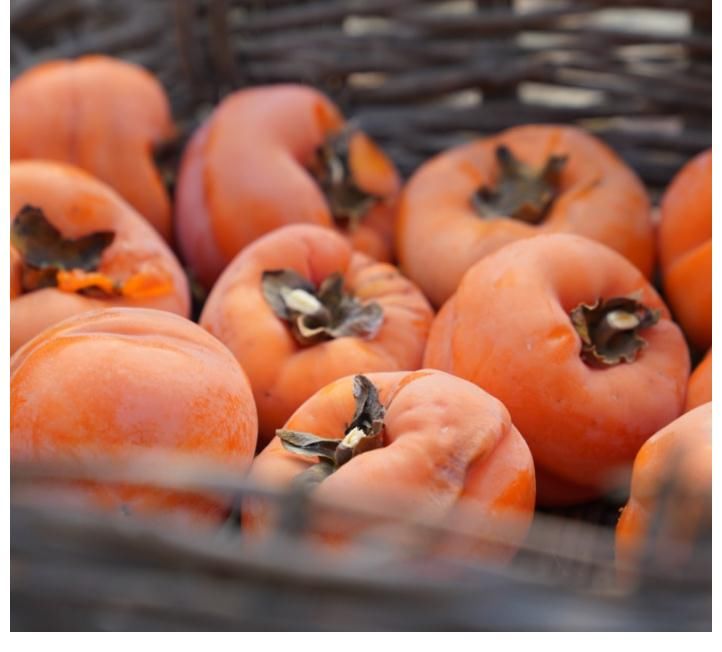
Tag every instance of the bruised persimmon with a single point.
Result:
(103, 115)
(699, 389)
(300, 308)
(76, 245)
(685, 249)
(421, 444)
(112, 383)
(669, 506)
(275, 155)
(471, 200)
(576, 343)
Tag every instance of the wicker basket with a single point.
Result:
(419, 76)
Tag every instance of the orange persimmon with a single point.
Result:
(471, 200)
(299, 308)
(699, 389)
(421, 444)
(685, 248)
(112, 383)
(103, 115)
(76, 245)
(275, 155)
(577, 344)
(670, 500)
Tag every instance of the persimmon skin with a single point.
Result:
(507, 329)
(599, 198)
(243, 175)
(685, 248)
(282, 373)
(447, 446)
(679, 454)
(78, 204)
(114, 382)
(103, 115)
(699, 388)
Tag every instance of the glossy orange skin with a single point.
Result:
(507, 329)
(103, 115)
(244, 174)
(685, 248)
(284, 374)
(111, 383)
(450, 454)
(77, 204)
(680, 454)
(699, 389)
(599, 198)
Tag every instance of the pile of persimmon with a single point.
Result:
(300, 308)
(76, 245)
(110, 383)
(277, 155)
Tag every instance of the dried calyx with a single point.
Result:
(609, 329)
(364, 433)
(521, 191)
(332, 169)
(318, 314)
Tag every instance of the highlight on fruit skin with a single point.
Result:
(391, 446)
(578, 345)
(300, 308)
(469, 201)
(111, 384)
(76, 245)
(275, 155)
(102, 114)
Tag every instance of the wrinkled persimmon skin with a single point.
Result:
(111, 383)
(282, 373)
(685, 249)
(244, 174)
(77, 204)
(103, 115)
(680, 456)
(699, 389)
(599, 198)
(447, 446)
(508, 330)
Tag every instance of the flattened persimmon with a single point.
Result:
(699, 389)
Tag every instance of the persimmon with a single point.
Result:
(275, 155)
(471, 200)
(76, 245)
(300, 308)
(577, 344)
(699, 389)
(419, 444)
(670, 500)
(111, 383)
(685, 248)
(104, 115)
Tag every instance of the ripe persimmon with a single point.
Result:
(699, 389)
(685, 248)
(471, 200)
(670, 500)
(76, 245)
(299, 308)
(111, 383)
(103, 115)
(274, 155)
(419, 444)
(576, 343)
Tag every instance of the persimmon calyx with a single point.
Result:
(331, 168)
(316, 315)
(71, 265)
(609, 329)
(363, 433)
(521, 192)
